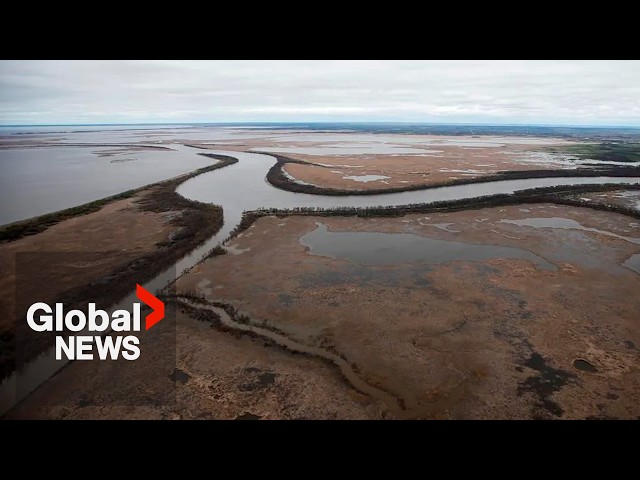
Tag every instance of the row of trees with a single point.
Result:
(555, 194)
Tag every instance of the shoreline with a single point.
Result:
(9, 146)
(534, 195)
(251, 315)
(277, 178)
(194, 226)
(31, 226)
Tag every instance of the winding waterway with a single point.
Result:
(242, 187)
(283, 341)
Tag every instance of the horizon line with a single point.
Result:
(299, 122)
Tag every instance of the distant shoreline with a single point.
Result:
(319, 123)
(277, 178)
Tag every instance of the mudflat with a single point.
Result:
(525, 311)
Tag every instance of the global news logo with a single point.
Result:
(81, 346)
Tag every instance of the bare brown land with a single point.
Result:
(110, 239)
(497, 338)
(452, 163)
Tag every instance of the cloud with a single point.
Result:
(574, 92)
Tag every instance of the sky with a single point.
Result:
(495, 92)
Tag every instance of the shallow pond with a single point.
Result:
(377, 248)
(365, 178)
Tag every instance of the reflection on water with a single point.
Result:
(122, 134)
(376, 248)
(426, 140)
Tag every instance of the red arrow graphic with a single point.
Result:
(156, 304)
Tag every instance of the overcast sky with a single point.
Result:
(547, 92)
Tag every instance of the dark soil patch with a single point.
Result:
(583, 365)
(257, 380)
(179, 376)
(548, 381)
(248, 416)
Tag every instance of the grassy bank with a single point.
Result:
(558, 194)
(195, 224)
(277, 178)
